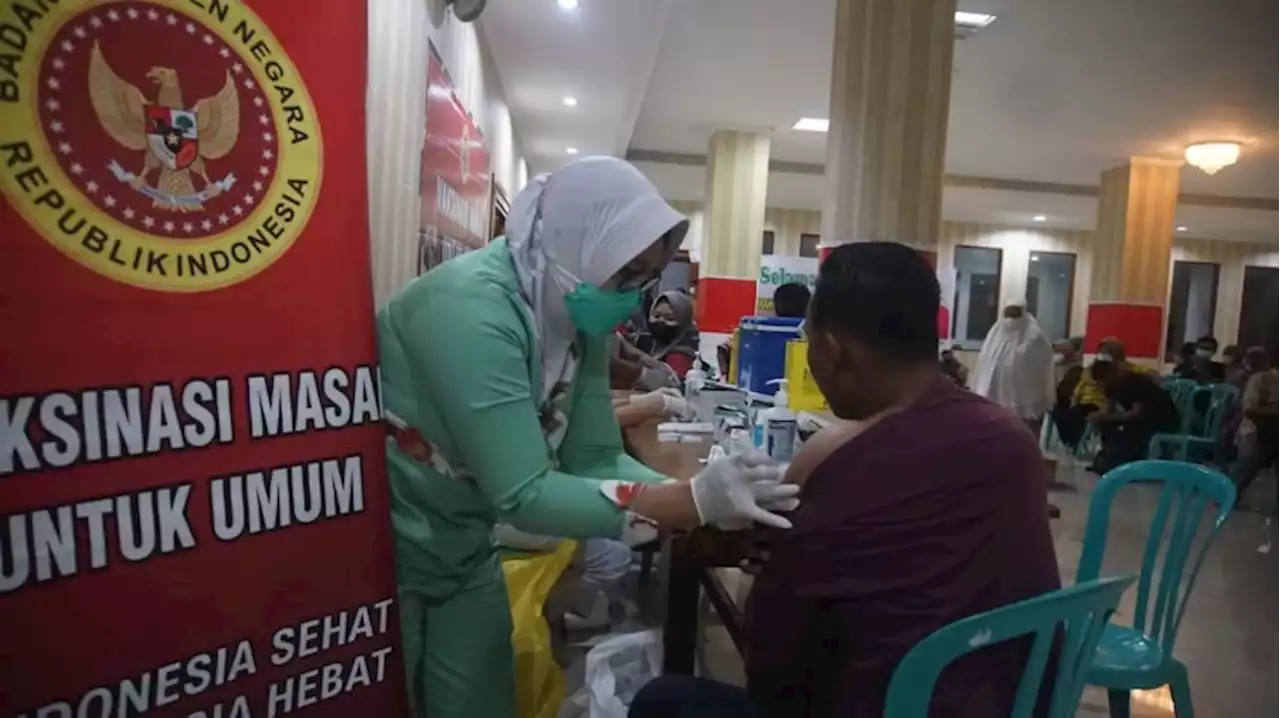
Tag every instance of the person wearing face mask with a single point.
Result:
(1066, 361)
(670, 335)
(1201, 366)
(1015, 367)
(496, 394)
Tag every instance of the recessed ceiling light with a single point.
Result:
(974, 20)
(811, 124)
(1182, 228)
(1034, 258)
(1039, 218)
(570, 101)
(568, 4)
(571, 150)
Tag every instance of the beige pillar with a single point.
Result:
(733, 224)
(890, 93)
(1132, 250)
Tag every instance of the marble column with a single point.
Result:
(733, 225)
(886, 143)
(1132, 254)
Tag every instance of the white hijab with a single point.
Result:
(589, 219)
(1015, 366)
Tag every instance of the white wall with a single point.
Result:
(396, 103)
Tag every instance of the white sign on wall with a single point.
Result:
(776, 271)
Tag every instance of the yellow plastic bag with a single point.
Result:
(540, 686)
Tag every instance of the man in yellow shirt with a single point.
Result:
(1089, 391)
(1088, 401)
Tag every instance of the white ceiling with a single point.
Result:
(601, 54)
(1052, 91)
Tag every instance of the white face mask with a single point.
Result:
(1059, 359)
(1204, 353)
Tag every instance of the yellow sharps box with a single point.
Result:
(802, 390)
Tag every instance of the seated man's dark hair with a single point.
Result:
(884, 295)
(791, 300)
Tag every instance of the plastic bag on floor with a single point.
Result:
(539, 681)
(617, 667)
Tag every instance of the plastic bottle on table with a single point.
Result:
(694, 380)
(779, 425)
(738, 442)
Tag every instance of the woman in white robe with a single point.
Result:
(1015, 366)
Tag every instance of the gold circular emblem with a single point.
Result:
(165, 144)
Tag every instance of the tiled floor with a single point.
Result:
(1227, 639)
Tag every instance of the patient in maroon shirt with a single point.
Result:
(933, 510)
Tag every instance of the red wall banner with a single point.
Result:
(455, 185)
(195, 516)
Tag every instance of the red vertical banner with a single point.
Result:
(192, 471)
(455, 185)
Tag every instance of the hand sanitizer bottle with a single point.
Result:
(780, 426)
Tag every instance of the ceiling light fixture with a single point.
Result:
(1213, 156)
(811, 124)
(1034, 258)
(1039, 218)
(570, 101)
(568, 4)
(973, 20)
(1182, 228)
(571, 150)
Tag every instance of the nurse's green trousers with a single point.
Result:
(458, 656)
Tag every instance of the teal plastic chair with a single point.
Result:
(1141, 657)
(1088, 440)
(1050, 440)
(1181, 391)
(1189, 444)
(1081, 611)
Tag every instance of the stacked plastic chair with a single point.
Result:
(1201, 434)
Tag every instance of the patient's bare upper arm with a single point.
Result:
(816, 450)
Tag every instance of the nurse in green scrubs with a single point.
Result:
(495, 381)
